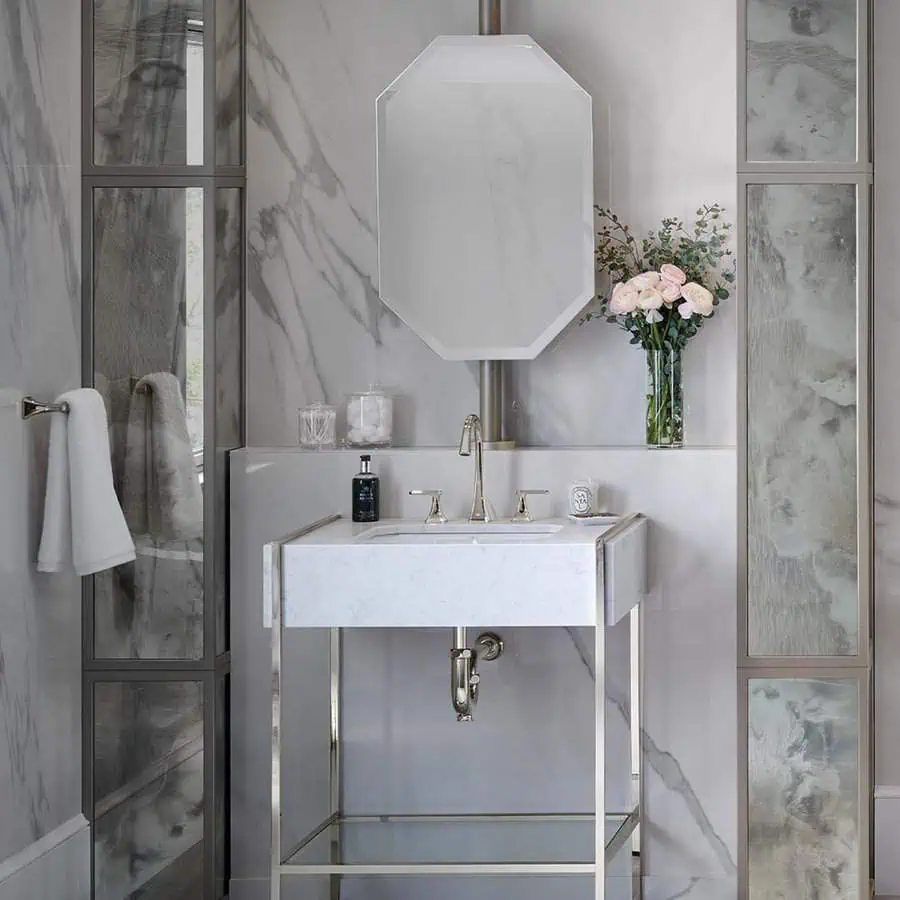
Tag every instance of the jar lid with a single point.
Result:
(318, 405)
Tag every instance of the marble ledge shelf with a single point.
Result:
(585, 448)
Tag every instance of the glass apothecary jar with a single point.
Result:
(370, 419)
(318, 426)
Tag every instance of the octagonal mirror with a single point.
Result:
(485, 197)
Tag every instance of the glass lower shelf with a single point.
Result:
(486, 840)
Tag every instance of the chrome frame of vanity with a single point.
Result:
(604, 851)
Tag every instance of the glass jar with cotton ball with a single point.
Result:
(370, 418)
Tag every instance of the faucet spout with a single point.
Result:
(472, 437)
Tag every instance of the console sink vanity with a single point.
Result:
(406, 574)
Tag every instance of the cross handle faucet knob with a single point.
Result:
(522, 512)
(435, 514)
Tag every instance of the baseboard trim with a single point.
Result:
(56, 865)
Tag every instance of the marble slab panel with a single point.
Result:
(40, 652)
(40, 78)
(316, 328)
(802, 403)
(802, 80)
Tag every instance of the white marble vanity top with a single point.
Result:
(404, 574)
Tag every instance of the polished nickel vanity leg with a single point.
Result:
(334, 773)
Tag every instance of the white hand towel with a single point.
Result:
(84, 527)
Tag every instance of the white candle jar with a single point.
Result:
(370, 418)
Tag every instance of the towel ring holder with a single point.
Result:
(32, 407)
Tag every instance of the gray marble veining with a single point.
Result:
(40, 747)
(802, 412)
(229, 87)
(317, 328)
(801, 80)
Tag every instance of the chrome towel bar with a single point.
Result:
(32, 407)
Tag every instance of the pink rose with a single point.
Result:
(670, 290)
(645, 280)
(672, 273)
(685, 310)
(650, 298)
(698, 298)
(624, 299)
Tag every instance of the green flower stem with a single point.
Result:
(665, 419)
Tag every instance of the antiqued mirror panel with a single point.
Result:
(802, 81)
(804, 787)
(148, 82)
(802, 528)
(149, 368)
(148, 789)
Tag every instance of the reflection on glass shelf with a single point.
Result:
(458, 840)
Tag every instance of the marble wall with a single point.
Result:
(40, 615)
(316, 328)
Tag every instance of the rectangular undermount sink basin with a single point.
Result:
(460, 533)
(405, 574)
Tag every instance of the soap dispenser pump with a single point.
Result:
(366, 500)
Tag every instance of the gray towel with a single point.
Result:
(163, 497)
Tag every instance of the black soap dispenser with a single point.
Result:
(365, 493)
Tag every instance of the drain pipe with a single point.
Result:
(489, 17)
(492, 406)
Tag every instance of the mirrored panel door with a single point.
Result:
(148, 80)
(803, 81)
(802, 420)
(149, 368)
(805, 781)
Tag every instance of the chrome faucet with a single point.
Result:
(471, 434)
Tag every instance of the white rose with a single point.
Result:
(698, 297)
(645, 280)
(650, 298)
(624, 300)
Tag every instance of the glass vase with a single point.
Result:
(665, 409)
